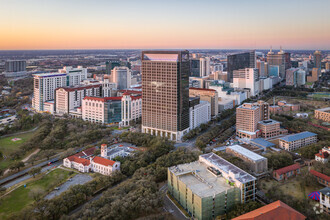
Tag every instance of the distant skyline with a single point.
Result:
(153, 24)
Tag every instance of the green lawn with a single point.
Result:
(20, 198)
(7, 146)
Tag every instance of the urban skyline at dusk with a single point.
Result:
(37, 24)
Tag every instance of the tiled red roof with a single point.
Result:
(322, 154)
(276, 210)
(287, 169)
(193, 88)
(103, 161)
(88, 152)
(320, 175)
(103, 99)
(76, 159)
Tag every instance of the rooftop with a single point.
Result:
(325, 191)
(275, 210)
(323, 109)
(262, 142)
(49, 74)
(103, 161)
(320, 175)
(249, 154)
(268, 122)
(76, 159)
(298, 136)
(200, 180)
(201, 89)
(287, 169)
(79, 87)
(224, 166)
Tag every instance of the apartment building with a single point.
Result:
(256, 162)
(199, 113)
(325, 200)
(45, 84)
(295, 141)
(209, 95)
(70, 97)
(322, 114)
(210, 186)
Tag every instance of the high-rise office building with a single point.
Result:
(240, 61)
(200, 67)
(287, 60)
(109, 65)
(295, 77)
(121, 76)
(15, 66)
(247, 78)
(165, 87)
(317, 59)
(261, 68)
(277, 59)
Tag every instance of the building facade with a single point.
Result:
(295, 141)
(121, 76)
(322, 114)
(200, 114)
(165, 86)
(257, 163)
(15, 66)
(240, 61)
(209, 95)
(69, 98)
(247, 79)
(131, 108)
(286, 172)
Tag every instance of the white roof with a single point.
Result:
(247, 153)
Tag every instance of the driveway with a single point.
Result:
(78, 179)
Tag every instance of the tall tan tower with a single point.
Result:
(165, 91)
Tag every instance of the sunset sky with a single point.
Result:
(124, 24)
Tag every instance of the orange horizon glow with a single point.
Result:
(42, 25)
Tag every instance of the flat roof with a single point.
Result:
(295, 137)
(49, 74)
(262, 142)
(224, 166)
(268, 122)
(249, 154)
(323, 109)
(200, 180)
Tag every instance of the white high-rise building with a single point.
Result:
(247, 78)
(204, 66)
(131, 108)
(121, 76)
(199, 114)
(46, 83)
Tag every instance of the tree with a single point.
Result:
(36, 194)
(1, 171)
(17, 165)
(34, 171)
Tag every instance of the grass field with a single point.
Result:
(20, 198)
(7, 146)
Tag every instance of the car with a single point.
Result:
(57, 188)
(70, 179)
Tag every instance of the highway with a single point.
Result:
(23, 175)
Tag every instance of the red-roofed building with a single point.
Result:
(286, 172)
(75, 162)
(92, 164)
(104, 166)
(323, 155)
(86, 153)
(274, 211)
(321, 178)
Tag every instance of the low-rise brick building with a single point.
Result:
(286, 172)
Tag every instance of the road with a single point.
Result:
(79, 179)
(170, 207)
(27, 176)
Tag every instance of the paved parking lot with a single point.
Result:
(77, 179)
